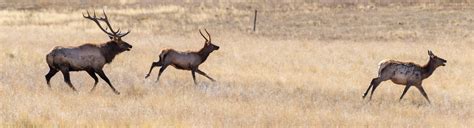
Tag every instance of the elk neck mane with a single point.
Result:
(204, 53)
(428, 68)
(109, 50)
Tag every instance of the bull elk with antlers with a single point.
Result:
(88, 57)
(406, 73)
(185, 60)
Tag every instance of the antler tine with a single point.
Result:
(203, 35)
(95, 16)
(208, 35)
(105, 15)
(106, 20)
(122, 35)
(88, 15)
(85, 15)
(96, 20)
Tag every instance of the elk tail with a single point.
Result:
(162, 57)
(382, 65)
(50, 60)
(51, 56)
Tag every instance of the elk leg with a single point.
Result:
(375, 82)
(404, 91)
(154, 64)
(96, 80)
(423, 93)
(104, 77)
(204, 74)
(367, 91)
(50, 74)
(193, 72)
(370, 86)
(67, 78)
(161, 71)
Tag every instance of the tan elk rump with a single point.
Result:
(88, 57)
(406, 73)
(185, 60)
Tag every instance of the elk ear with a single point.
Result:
(430, 53)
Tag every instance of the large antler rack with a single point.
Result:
(96, 19)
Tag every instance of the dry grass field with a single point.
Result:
(306, 66)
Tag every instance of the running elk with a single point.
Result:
(406, 73)
(88, 57)
(189, 60)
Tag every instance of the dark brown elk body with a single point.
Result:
(185, 60)
(88, 57)
(406, 73)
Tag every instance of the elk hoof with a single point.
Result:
(148, 75)
(116, 92)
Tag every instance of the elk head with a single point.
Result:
(116, 41)
(437, 61)
(208, 45)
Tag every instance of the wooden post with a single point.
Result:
(255, 21)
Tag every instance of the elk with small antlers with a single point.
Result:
(406, 73)
(88, 57)
(185, 60)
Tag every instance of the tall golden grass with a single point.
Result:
(306, 66)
